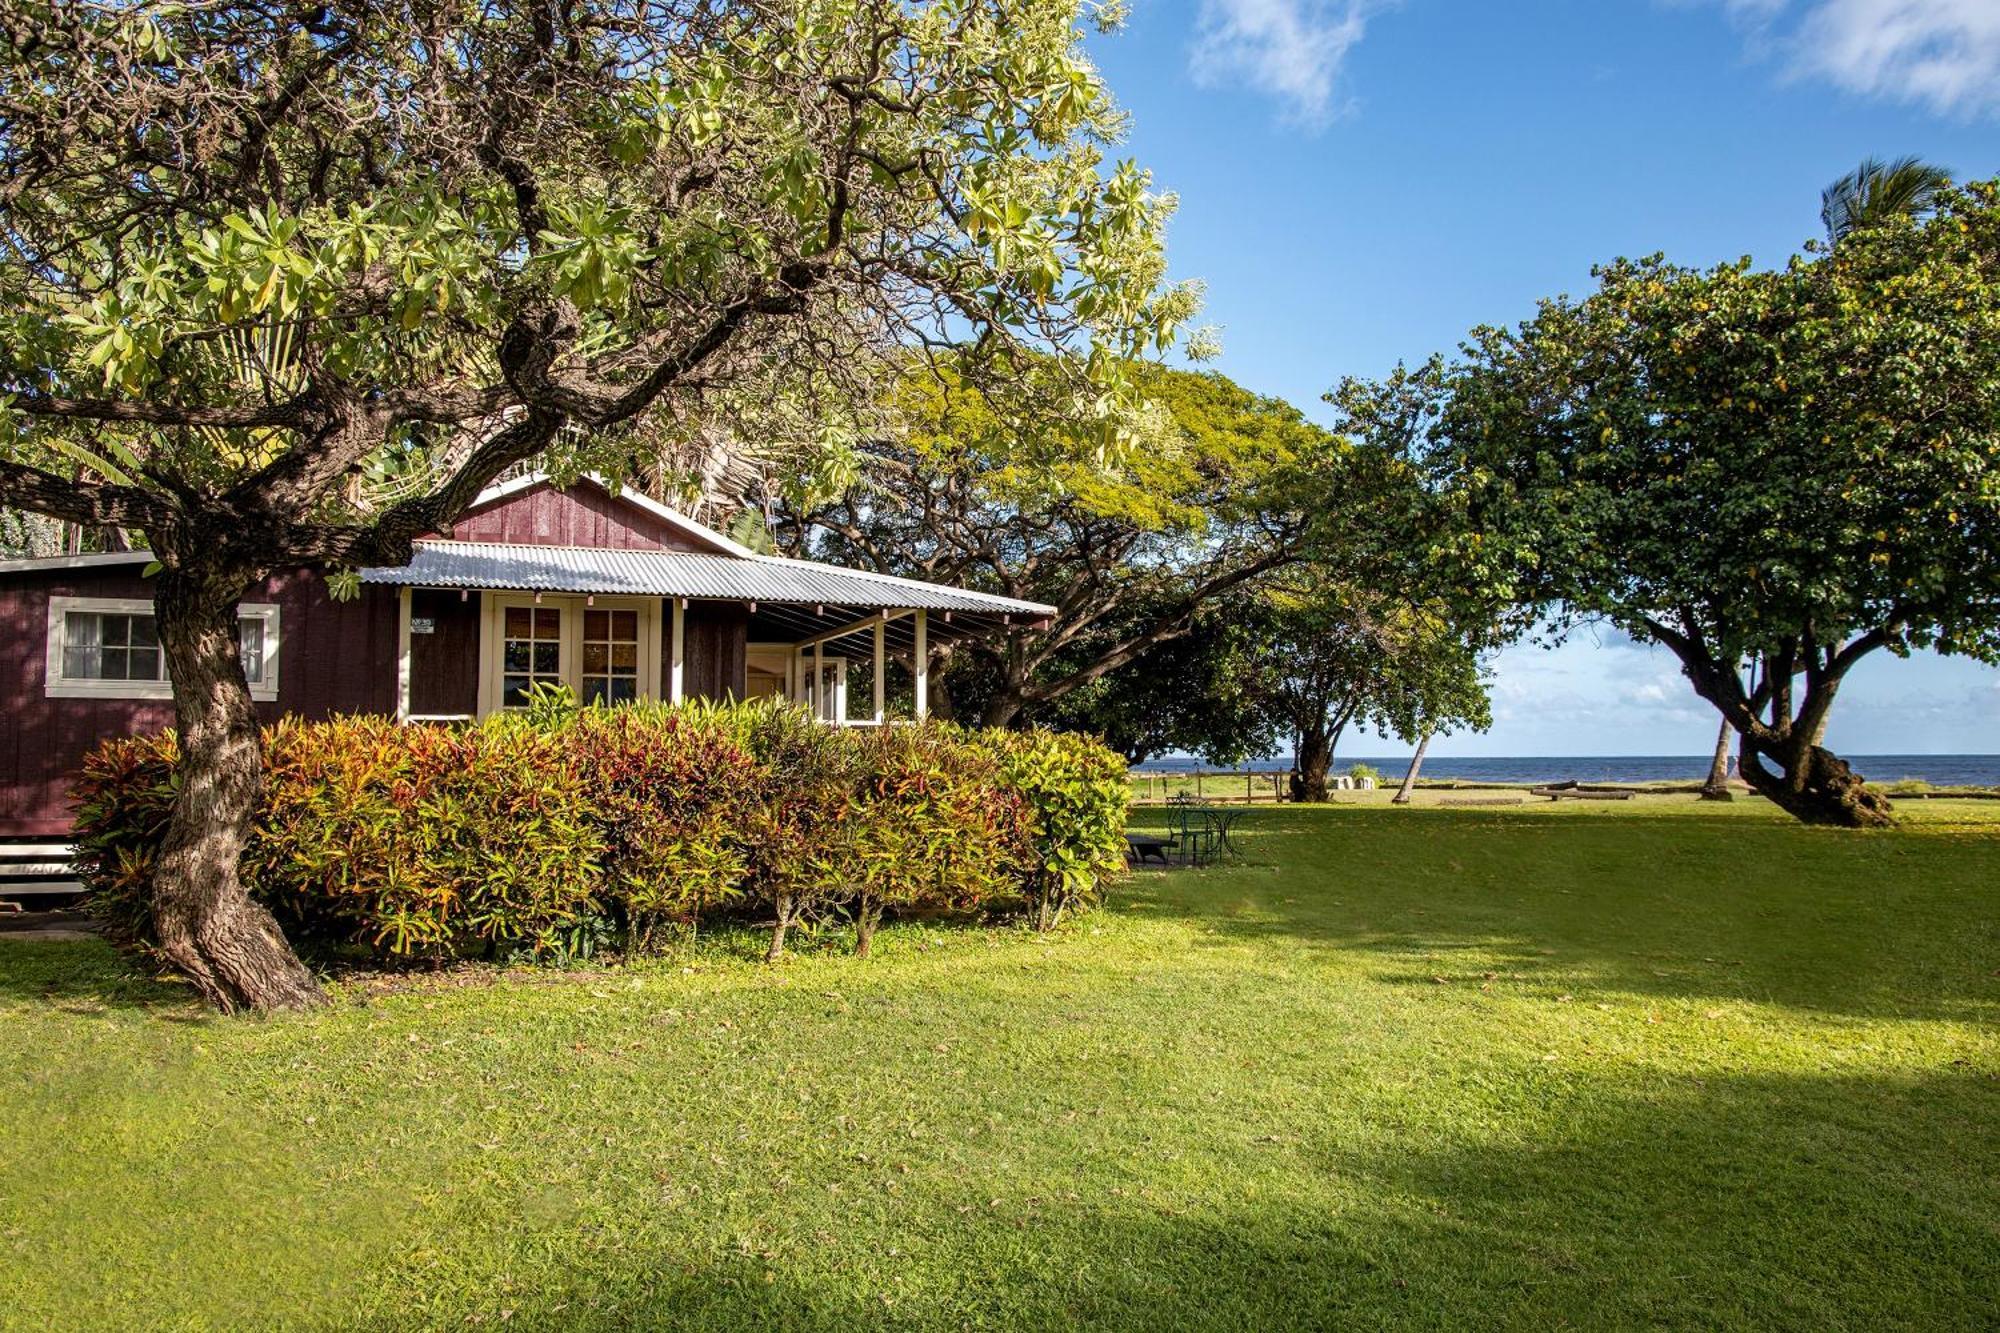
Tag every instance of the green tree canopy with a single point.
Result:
(1791, 468)
(1224, 487)
(1195, 693)
(1328, 653)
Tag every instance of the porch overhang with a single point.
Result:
(790, 601)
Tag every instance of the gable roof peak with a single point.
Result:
(673, 518)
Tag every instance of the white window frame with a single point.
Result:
(59, 686)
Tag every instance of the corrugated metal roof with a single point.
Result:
(651, 573)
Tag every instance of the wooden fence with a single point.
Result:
(1243, 786)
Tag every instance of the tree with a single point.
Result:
(1227, 487)
(24, 534)
(1409, 784)
(1716, 787)
(1877, 191)
(1790, 469)
(1332, 654)
(1194, 693)
(257, 257)
(1873, 193)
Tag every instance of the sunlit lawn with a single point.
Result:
(1670, 1065)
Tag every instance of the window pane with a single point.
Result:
(596, 624)
(82, 662)
(548, 658)
(593, 690)
(548, 624)
(102, 645)
(625, 655)
(252, 632)
(83, 629)
(518, 621)
(517, 656)
(596, 657)
(624, 689)
(514, 692)
(625, 625)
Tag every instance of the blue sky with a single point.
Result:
(1363, 180)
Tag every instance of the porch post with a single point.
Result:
(819, 683)
(403, 656)
(881, 665)
(923, 663)
(676, 674)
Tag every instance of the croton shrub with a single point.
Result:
(1078, 794)
(552, 834)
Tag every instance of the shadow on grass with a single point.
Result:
(1736, 1202)
(82, 976)
(1690, 905)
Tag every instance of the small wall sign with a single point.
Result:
(423, 624)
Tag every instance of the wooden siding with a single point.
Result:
(333, 657)
(444, 665)
(714, 637)
(584, 515)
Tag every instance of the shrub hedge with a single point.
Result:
(551, 834)
(1078, 793)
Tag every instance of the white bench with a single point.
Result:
(36, 869)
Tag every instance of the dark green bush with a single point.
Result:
(802, 838)
(542, 836)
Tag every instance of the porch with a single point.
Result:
(481, 624)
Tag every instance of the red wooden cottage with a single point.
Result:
(613, 594)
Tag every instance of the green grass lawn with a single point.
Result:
(1637, 1066)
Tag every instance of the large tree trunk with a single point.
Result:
(208, 927)
(1402, 796)
(1002, 708)
(1717, 786)
(943, 707)
(1313, 758)
(1815, 786)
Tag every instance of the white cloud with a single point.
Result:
(1943, 54)
(1652, 694)
(1289, 50)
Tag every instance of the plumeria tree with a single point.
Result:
(1773, 474)
(287, 285)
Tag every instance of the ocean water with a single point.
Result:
(1944, 770)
